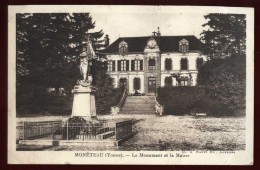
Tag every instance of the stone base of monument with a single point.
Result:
(84, 102)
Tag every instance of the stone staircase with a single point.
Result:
(139, 105)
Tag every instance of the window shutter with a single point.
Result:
(141, 65)
(133, 65)
(127, 65)
(184, 64)
(165, 64)
(119, 65)
(168, 64)
(137, 83)
(113, 65)
(134, 83)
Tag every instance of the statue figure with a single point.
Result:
(84, 68)
(87, 54)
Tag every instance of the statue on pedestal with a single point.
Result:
(86, 55)
(84, 94)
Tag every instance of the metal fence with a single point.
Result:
(86, 131)
(73, 131)
(32, 130)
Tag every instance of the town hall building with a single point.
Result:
(143, 64)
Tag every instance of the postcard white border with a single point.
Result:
(68, 157)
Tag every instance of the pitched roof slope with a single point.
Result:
(166, 44)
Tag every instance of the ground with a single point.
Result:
(153, 132)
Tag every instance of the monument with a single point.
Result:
(84, 93)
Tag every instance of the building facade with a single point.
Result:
(143, 64)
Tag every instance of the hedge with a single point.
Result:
(186, 100)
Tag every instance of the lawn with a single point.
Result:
(177, 133)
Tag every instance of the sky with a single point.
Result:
(143, 20)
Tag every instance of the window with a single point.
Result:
(137, 65)
(168, 81)
(151, 64)
(123, 65)
(183, 46)
(184, 64)
(168, 64)
(184, 81)
(199, 62)
(137, 84)
(111, 65)
(122, 82)
(123, 48)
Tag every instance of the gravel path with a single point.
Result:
(175, 133)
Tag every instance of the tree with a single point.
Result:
(225, 80)
(48, 46)
(225, 35)
(224, 75)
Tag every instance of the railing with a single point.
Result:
(116, 109)
(86, 131)
(158, 108)
(122, 100)
(123, 129)
(54, 130)
(31, 130)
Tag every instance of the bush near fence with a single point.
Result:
(188, 100)
(32, 100)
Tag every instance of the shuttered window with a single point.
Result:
(123, 65)
(137, 83)
(168, 81)
(111, 65)
(136, 65)
(168, 64)
(184, 64)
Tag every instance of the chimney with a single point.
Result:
(158, 33)
(154, 33)
(106, 41)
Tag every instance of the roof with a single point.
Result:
(166, 44)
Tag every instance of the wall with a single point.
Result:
(160, 73)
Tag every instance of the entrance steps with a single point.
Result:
(139, 105)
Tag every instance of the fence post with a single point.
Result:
(67, 129)
(115, 132)
(23, 131)
(40, 129)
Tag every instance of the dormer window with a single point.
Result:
(184, 46)
(123, 48)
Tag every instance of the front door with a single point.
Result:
(151, 84)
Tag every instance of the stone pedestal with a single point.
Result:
(84, 102)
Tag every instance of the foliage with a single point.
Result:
(225, 35)
(33, 99)
(185, 100)
(107, 101)
(225, 80)
(224, 75)
(48, 48)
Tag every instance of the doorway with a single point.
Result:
(151, 84)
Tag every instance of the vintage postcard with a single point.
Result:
(95, 84)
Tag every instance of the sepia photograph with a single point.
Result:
(130, 85)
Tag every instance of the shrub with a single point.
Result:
(225, 81)
(186, 100)
(104, 103)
